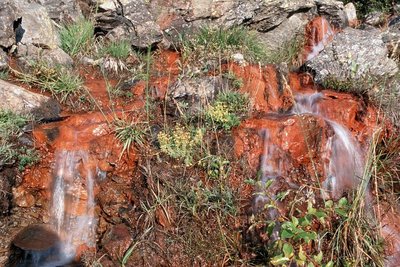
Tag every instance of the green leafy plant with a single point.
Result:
(237, 83)
(10, 129)
(297, 233)
(77, 37)
(217, 167)
(181, 142)
(27, 157)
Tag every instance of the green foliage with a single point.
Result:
(7, 153)
(77, 37)
(128, 133)
(288, 53)
(214, 42)
(201, 199)
(366, 6)
(217, 167)
(61, 82)
(11, 124)
(181, 142)
(10, 129)
(227, 110)
(237, 83)
(4, 75)
(117, 49)
(341, 229)
(27, 157)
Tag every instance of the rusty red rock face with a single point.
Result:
(301, 140)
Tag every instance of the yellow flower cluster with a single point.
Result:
(180, 143)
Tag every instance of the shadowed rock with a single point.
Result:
(36, 238)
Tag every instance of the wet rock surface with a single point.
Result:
(118, 197)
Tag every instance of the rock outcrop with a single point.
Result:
(353, 54)
(22, 101)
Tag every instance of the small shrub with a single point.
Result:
(7, 153)
(203, 200)
(364, 7)
(227, 110)
(217, 167)
(11, 124)
(237, 83)
(181, 143)
(10, 128)
(77, 37)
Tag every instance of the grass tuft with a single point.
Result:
(222, 43)
(128, 134)
(77, 37)
(61, 82)
(116, 49)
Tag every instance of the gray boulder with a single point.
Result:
(353, 54)
(285, 33)
(273, 12)
(28, 54)
(3, 60)
(130, 20)
(7, 18)
(195, 93)
(22, 101)
(31, 22)
(61, 11)
(334, 11)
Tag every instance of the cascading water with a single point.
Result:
(343, 168)
(72, 212)
(345, 162)
(73, 201)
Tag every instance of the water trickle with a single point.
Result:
(73, 201)
(270, 170)
(319, 33)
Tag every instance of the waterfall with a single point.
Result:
(73, 204)
(343, 169)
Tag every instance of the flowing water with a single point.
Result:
(73, 201)
(343, 168)
(345, 162)
(319, 37)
